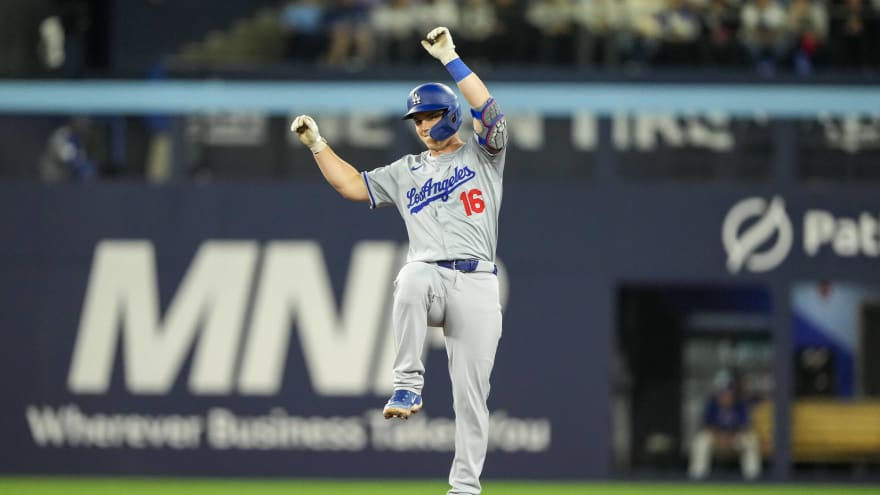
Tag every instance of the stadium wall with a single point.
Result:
(241, 329)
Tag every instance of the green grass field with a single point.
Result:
(127, 486)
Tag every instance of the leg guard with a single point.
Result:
(750, 455)
(701, 455)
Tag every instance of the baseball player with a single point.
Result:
(449, 197)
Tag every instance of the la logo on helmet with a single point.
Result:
(416, 99)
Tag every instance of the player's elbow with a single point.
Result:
(490, 125)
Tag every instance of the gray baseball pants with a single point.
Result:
(468, 307)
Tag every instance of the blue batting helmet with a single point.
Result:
(435, 96)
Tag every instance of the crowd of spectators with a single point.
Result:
(767, 35)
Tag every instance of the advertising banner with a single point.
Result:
(244, 329)
(637, 146)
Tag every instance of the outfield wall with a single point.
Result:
(243, 329)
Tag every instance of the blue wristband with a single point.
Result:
(458, 70)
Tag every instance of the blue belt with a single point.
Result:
(466, 266)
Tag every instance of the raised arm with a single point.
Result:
(489, 123)
(338, 172)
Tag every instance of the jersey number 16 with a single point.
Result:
(472, 201)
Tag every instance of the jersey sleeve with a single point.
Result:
(709, 414)
(382, 184)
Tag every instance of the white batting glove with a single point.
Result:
(439, 44)
(307, 130)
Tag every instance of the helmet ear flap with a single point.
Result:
(449, 124)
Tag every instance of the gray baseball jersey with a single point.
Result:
(450, 203)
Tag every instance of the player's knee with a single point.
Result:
(415, 276)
